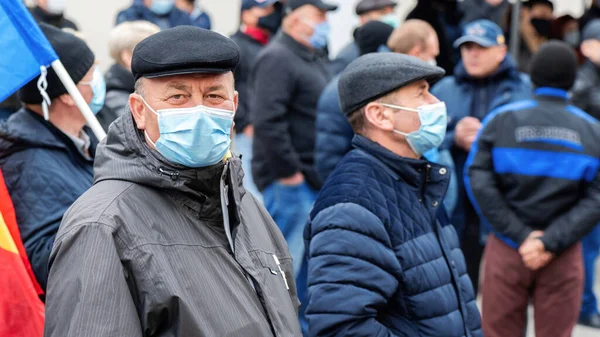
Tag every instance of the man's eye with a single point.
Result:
(213, 96)
(177, 96)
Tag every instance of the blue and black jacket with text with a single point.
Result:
(534, 166)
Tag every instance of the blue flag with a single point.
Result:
(23, 47)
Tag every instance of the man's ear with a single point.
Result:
(235, 101)
(415, 51)
(378, 116)
(138, 110)
(67, 100)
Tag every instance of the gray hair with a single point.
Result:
(125, 36)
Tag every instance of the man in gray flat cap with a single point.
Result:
(167, 242)
(383, 257)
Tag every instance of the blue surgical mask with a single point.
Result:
(162, 7)
(193, 137)
(320, 35)
(98, 91)
(391, 19)
(430, 135)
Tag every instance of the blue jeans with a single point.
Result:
(591, 249)
(290, 207)
(243, 146)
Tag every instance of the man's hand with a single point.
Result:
(248, 131)
(466, 132)
(494, 3)
(533, 252)
(294, 180)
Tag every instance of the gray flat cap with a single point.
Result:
(365, 6)
(374, 75)
(591, 31)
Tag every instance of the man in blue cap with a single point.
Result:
(260, 20)
(486, 78)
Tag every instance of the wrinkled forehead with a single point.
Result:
(193, 82)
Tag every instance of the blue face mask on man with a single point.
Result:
(320, 35)
(98, 86)
(430, 135)
(193, 137)
(162, 7)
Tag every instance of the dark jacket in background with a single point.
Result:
(287, 80)
(586, 91)
(345, 56)
(145, 252)
(119, 85)
(590, 14)
(444, 16)
(473, 10)
(56, 20)
(249, 49)
(138, 11)
(467, 96)
(45, 173)
(383, 257)
(334, 133)
(535, 166)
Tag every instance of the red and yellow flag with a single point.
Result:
(21, 310)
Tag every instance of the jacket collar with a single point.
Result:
(552, 93)
(119, 78)
(297, 47)
(428, 179)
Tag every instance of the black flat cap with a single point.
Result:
(591, 31)
(184, 50)
(374, 75)
(292, 5)
(365, 6)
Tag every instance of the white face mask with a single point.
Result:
(56, 6)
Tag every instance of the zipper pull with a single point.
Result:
(281, 271)
(226, 194)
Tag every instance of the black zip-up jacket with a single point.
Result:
(534, 166)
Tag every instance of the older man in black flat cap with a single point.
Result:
(383, 258)
(167, 242)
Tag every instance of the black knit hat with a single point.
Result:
(74, 54)
(554, 65)
(371, 36)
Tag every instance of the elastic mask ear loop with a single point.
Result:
(42, 85)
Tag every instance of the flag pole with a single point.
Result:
(87, 113)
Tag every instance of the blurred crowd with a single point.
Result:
(371, 256)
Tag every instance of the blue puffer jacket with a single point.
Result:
(45, 173)
(468, 96)
(383, 259)
(138, 11)
(334, 133)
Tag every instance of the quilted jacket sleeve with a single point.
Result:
(334, 133)
(483, 190)
(352, 271)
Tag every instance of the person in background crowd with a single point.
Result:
(486, 78)
(445, 17)
(199, 17)
(383, 257)
(9, 106)
(493, 10)
(119, 82)
(586, 95)
(287, 80)
(334, 133)
(367, 10)
(167, 242)
(47, 160)
(566, 28)
(162, 13)
(532, 175)
(51, 12)
(535, 28)
(590, 14)
(260, 20)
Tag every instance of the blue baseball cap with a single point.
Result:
(482, 32)
(247, 4)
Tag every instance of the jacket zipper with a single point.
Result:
(174, 175)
